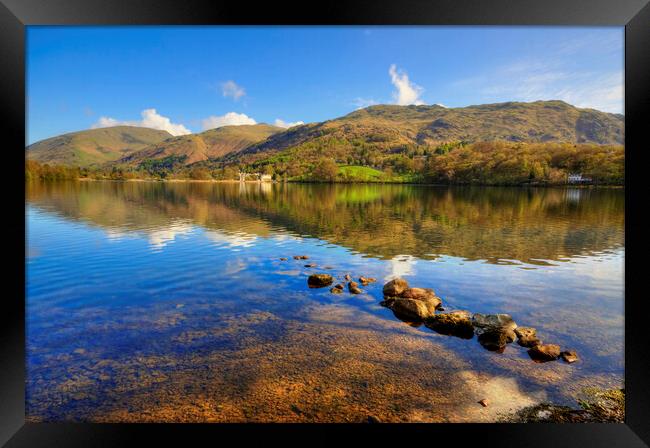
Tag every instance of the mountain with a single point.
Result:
(210, 144)
(94, 146)
(376, 136)
(389, 129)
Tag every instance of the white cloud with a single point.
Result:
(363, 102)
(150, 119)
(604, 93)
(595, 42)
(229, 119)
(407, 92)
(107, 122)
(549, 79)
(283, 124)
(231, 89)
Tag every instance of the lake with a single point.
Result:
(170, 302)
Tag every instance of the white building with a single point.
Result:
(576, 178)
(255, 176)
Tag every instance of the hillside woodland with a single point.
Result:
(493, 144)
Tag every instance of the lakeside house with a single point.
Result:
(243, 177)
(576, 178)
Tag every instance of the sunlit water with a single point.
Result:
(169, 302)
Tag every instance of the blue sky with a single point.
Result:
(187, 79)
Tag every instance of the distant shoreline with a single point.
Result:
(223, 181)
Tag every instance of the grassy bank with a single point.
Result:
(595, 406)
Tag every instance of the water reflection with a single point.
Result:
(170, 302)
(398, 223)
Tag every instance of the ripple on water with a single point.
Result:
(168, 302)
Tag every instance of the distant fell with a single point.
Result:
(389, 128)
(94, 146)
(368, 137)
(535, 122)
(210, 144)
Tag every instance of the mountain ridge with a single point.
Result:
(390, 126)
(379, 130)
(94, 146)
(205, 145)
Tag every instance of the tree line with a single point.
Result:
(482, 163)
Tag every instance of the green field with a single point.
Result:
(356, 173)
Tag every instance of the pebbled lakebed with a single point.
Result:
(171, 302)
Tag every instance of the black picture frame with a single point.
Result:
(15, 15)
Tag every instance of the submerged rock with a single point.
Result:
(367, 280)
(353, 287)
(455, 323)
(300, 257)
(544, 352)
(339, 286)
(395, 287)
(283, 259)
(319, 280)
(495, 341)
(310, 265)
(336, 290)
(412, 310)
(527, 337)
(347, 277)
(569, 356)
(494, 322)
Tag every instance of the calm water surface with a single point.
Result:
(169, 302)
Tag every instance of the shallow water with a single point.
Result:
(169, 302)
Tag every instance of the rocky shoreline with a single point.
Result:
(417, 306)
(599, 406)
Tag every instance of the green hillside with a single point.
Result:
(206, 145)
(94, 146)
(499, 144)
(380, 131)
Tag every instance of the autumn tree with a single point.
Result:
(325, 170)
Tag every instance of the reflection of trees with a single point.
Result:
(140, 206)
(382, 221)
